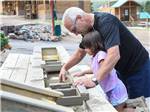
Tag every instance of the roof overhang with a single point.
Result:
(119, 3)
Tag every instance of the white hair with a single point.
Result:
(72, 13)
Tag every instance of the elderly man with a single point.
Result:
(124, 51)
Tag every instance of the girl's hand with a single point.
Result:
(78, 74)
(87, 82)
(78, 82)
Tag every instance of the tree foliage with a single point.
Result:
(147, 6)
(3, 40)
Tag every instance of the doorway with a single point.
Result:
(126, 14)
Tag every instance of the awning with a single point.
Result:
(119, 3)
(144, 15)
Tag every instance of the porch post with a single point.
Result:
(119, 14)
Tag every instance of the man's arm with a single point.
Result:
(113, 56)
(74, 59)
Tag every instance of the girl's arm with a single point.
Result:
(113, 56)
(101, 61)
(88, 71)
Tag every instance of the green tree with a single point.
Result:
(147, 6)
(95, 5)
(3, 41)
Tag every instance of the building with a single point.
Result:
(125, 10)
(40, 8)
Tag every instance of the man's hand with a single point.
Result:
(87, 82)
(62, 75)
(74, 59)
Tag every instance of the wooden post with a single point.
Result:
(1, 7)
(119, 14)
(130, 11)
(17, 8)
(44, 10)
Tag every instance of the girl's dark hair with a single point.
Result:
(93, 41)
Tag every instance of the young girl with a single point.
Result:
(113, 87)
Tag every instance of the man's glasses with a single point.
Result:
(74, 29)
